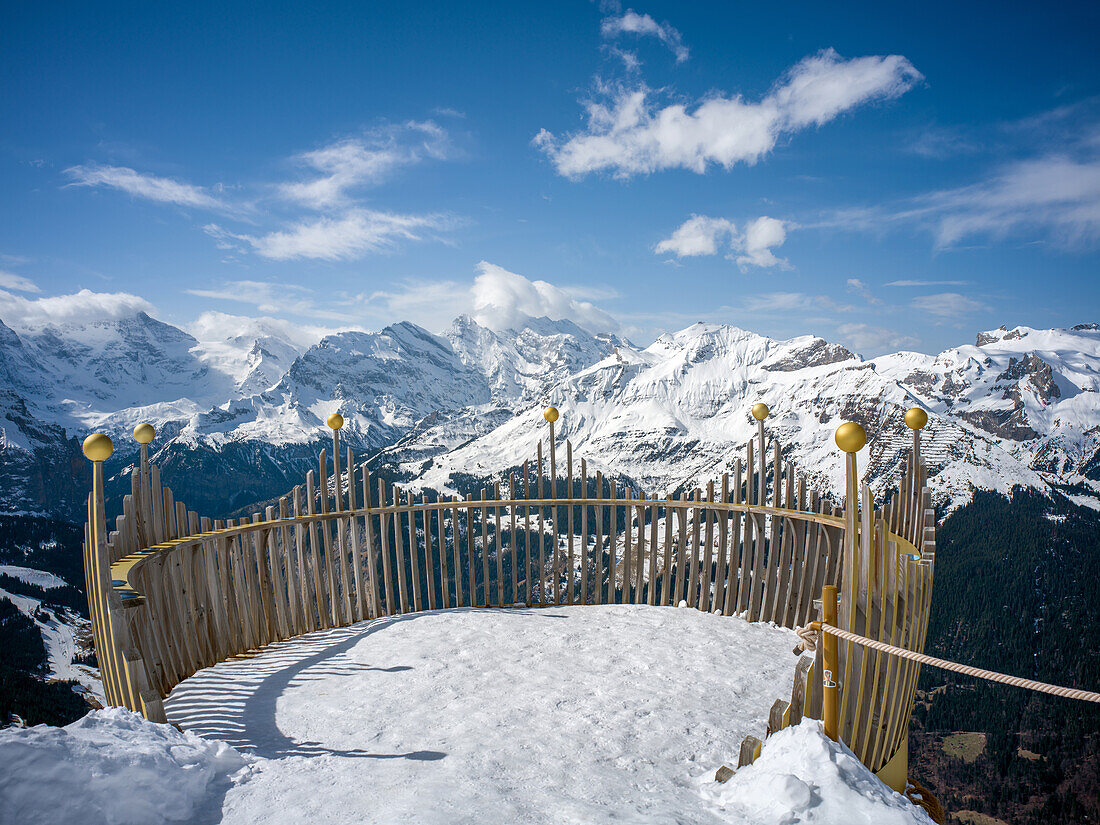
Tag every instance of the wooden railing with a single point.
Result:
(171, 592)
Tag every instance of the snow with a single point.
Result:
(803, 776)
(39, 578)
(112, 768)
(59, 629)
(593, 715)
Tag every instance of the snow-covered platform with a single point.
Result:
(561, 714)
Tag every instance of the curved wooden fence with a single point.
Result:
(171, 592)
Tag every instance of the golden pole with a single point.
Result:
(335, 422)
(829, 710)
(760, 412)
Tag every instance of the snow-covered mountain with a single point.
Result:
(676, 414)
(241, 416)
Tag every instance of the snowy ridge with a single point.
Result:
(1019, 407)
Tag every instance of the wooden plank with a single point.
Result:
(515, 557)
(706, 572)
(651, 591)
(320, 596)
(306, 601)
(544, 596)
(499, 549)
(748, 569)
(471, 592)
(586, 557)
(371, 556)
(666, 574)
(572, 563)
(597, 550)
(360, 604)
(733, 589)
(696, 551)
(414, 554)
(612, 543)
(486, 594)
(403, 591)
(682, 577)
(721, 572)
(527, 529)
(627, 565)
(429, 556)
(391, 604)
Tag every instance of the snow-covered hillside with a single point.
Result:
(240, 414)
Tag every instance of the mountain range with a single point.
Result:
(240, 417)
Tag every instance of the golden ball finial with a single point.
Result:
(915, 418)
(144, 433)
(760, 411)
(850, 437)
(98, 447)
(336, 421)
(550, 414)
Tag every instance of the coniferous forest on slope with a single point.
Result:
(1015, 591)
(1016, 584)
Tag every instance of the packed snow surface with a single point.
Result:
(112, 768)
(596, 715)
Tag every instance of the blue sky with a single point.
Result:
(883, 176)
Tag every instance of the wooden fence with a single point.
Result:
(171, 592)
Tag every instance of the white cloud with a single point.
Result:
(626, 135)
(352, 162)
(703, 235)
(9, 280)
(642, 24)
(214, 326)
(778, 302)
(83, 307)
(345, 237)
(869, 337)
(948, 305)
(927, 283)
(501, 299)
(278, 298)
(698, 235)
(861, 289)
(761, 236)
(150, 187)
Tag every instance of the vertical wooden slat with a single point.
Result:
(597, 553)
(429, 555)
(403, 591)
(612, 542)
(708, 552)
(515, 558)
(414, 553)
(722, 571)
(572, 562)
(586, 558)
(651, 592)
(527, 530)
(499, 548)
(391, 604)
(666, 574)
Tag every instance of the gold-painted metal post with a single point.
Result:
(830, 664)
(916, 419)
(551, 415)
(760, 412)
(335, 422)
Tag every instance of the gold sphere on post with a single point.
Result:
(915, 418)
(144, 433)
(98, 447)
(336, 421)
(550, 414)
(760, 411)
(850, 437)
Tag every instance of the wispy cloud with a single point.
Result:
(149, 187)
(362, 161)
(642, 24)
(627, 135)
(1053, 196)
(9, 280)
(926, 283)
(862, 290)
(863, 337)
(276, 299)
(348, 236)
(948, 306)
(702, 235)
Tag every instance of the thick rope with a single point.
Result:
(1003, 678)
